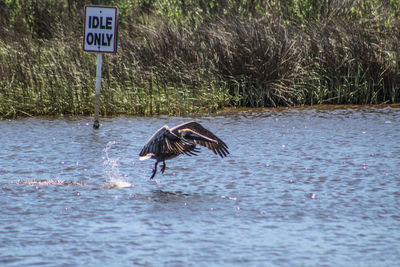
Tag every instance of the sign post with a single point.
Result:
(100, 36)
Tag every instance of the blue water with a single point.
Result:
(301, 187)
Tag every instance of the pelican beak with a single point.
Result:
(147, 156)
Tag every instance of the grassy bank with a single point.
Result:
(179, 57)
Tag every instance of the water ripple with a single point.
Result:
(323, 178)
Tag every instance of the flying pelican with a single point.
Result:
(167, 143)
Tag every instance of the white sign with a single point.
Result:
(100, 30)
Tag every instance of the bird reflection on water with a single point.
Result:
(168, 196)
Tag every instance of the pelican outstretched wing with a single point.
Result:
(196, 133)
(163, 141)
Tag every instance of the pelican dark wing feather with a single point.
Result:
(155, 143)
(165, 142)
(168, 143)
(198, 134)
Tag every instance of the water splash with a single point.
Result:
(46, 182)
(111, 168)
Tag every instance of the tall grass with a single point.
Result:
(200, 56)
(353, 64)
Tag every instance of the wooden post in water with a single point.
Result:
(96, 123)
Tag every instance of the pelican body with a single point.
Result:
(167, 143)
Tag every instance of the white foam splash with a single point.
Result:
(46, 182)
(118, 183)
(111, 168)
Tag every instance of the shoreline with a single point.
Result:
(224, 111)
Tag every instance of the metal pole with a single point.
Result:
(96, 123)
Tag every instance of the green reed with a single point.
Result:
(231, 55)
